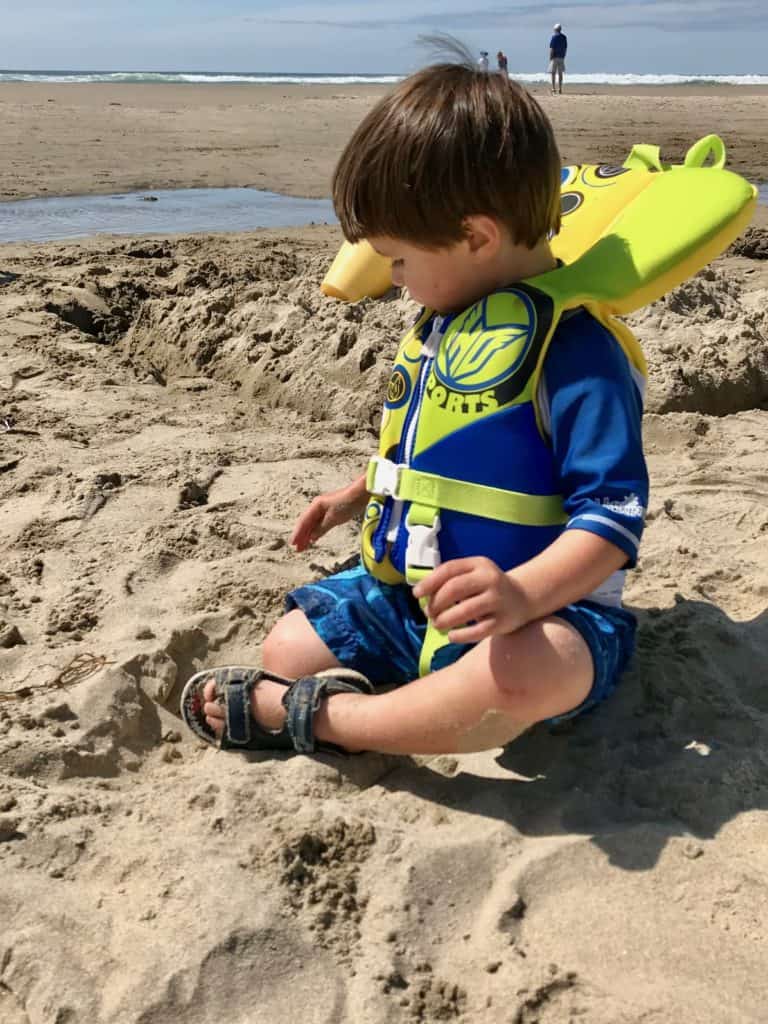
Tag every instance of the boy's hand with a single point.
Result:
(325, 512)
(473, 590)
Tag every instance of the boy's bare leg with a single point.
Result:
(491, 695)
(292, 648)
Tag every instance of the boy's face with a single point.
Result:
(441, 279)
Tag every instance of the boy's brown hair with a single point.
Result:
(448, 142)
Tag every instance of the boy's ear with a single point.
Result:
(483, 234)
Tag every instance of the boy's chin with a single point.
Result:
(445, 309)
(442, 308)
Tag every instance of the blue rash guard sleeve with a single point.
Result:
(592, 405)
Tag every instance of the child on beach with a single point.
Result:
(455, 176)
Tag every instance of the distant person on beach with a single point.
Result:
(465, 623)
(483, 61)
(502, 62)
(558, 46)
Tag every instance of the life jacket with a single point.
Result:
(464, 465)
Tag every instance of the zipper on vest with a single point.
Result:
(429, 349)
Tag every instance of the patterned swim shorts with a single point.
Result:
(379, 629)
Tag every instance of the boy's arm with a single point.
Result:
(357, 491)
(473, 599)
(567, 571)
(329, 510)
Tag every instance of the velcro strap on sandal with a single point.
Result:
(238, 711)
(301, 701)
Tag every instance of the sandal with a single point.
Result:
(302, 697)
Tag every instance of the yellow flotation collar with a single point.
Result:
(629, 234)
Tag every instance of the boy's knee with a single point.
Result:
(516, 686)
(292, 648)
(518, 697)
(279, 639)
(271, 644)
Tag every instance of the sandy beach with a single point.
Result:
(78, 139)
(167, 407)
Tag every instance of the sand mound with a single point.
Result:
(260, 321)
(196, 310)
(753, 244)
(168, 407)
(707, 346)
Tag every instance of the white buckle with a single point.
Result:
(423, 551)
(386, 477)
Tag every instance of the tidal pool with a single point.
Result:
(172, 211)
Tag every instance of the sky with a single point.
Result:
(627, 36)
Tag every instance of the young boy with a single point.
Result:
(455, 176)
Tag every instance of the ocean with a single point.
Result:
(299, 78)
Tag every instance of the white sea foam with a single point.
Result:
(210, 78)
(606, 78)
(298, 78)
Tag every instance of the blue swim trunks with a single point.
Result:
(378, 629)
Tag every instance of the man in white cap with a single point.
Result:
(558, 45)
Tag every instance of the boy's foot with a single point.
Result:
(244, 708)
(266, 706)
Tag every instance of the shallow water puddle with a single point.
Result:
(172, 211)
(166, 211)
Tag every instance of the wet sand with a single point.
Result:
(75, 139)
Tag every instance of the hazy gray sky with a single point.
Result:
(638, 36)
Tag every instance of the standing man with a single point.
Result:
(558, 45)
(483, 61)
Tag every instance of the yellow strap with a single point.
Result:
(420, 514)
(434, 639)
(480, 500)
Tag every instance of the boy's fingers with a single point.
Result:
(475, 608)
(456, 591)
(299, 538)
(472, 634)
(439, 576)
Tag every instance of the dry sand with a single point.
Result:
(167, 407)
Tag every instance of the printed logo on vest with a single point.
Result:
(489, 345)
(460, 402)
(398, 389)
